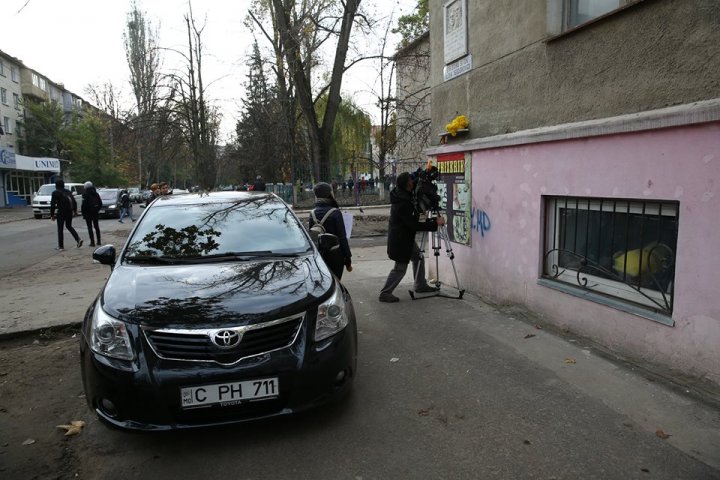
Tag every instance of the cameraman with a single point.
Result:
(404, 223)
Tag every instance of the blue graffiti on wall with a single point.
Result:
(479, 221)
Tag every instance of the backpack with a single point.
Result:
(318, 228)
(65, 202)
(94, 202)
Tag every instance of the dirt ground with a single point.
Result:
(40, 382)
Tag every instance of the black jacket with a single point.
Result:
(335, 225)
(64, 208)
(404, 222)
(91, 204)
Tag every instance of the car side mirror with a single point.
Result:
(105, 255)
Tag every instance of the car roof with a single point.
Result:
(213, 197)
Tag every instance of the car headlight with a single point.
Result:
(112, 206)
(331, 316)
(109, 336)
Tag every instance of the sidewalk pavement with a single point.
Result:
(15, 214)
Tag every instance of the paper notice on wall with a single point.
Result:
(348, 220)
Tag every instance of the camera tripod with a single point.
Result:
(437, 239)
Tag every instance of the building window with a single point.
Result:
(3, 96)
(623, 249)
(35, 80)
(6, 126)
(43, 84)
(581, 11)
(14, 74)
(2, 68)
(16, 101)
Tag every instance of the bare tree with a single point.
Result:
(303, 28)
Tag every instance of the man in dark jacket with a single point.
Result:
(404, 223)
(63, 206)
(259, 185)
(91, 206)
(334, 223)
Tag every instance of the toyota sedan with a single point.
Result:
(218, 309)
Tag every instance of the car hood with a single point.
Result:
(215, 295)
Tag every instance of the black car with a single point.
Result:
(111, 202)
(218, 309)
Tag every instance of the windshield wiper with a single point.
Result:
(162, 259)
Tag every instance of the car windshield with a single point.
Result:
(237, 230)
(108, 195)
(46, 190)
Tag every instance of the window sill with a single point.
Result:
(571, 30)
(607, 301)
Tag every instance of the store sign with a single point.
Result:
(7, 158)
(37, 164)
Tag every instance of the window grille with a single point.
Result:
(624, 249)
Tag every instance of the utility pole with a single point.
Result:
(140, 168)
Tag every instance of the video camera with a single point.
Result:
(425, 196)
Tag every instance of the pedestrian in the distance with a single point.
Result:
(328, 214)
(62, 207)
(91, 206)
(259, 185)
(126, 208)
(401, 246)
(154, 192)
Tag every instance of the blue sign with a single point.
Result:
(7, 158)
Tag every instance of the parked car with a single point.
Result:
(41, 199)
(135, 195)
(218, 309)
(111, 202)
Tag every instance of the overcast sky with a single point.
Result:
(80, 42)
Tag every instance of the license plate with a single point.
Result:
(227, 394)
(101, 211)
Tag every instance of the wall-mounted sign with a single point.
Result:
(7, 158)
(455, 194)
(455, 28)
(457, 68)
(37, 164)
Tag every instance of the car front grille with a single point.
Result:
(198, 345)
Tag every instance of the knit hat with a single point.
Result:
(88, 184)
(323, 190)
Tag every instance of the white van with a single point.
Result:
(41, 200)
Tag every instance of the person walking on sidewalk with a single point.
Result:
(327, 213)
(63, 203)
(401, 247)
(91, 206)
(126, 208)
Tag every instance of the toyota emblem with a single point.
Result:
(226, 338)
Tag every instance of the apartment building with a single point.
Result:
(21, 175)
(585, 185)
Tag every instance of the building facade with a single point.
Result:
(585, 187)
(22, 175)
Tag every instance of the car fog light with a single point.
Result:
(108, 407)
(340, 376)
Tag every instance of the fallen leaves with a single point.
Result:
(659, 432)
(529, 335)
(29, 441)
(74, 428)
(570, 360)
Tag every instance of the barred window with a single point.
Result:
(624, 249)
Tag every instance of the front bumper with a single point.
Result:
(146, 395)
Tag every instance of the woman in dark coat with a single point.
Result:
(404, 223)
(91, 205)
(334, 223)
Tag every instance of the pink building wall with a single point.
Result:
(505, 259)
